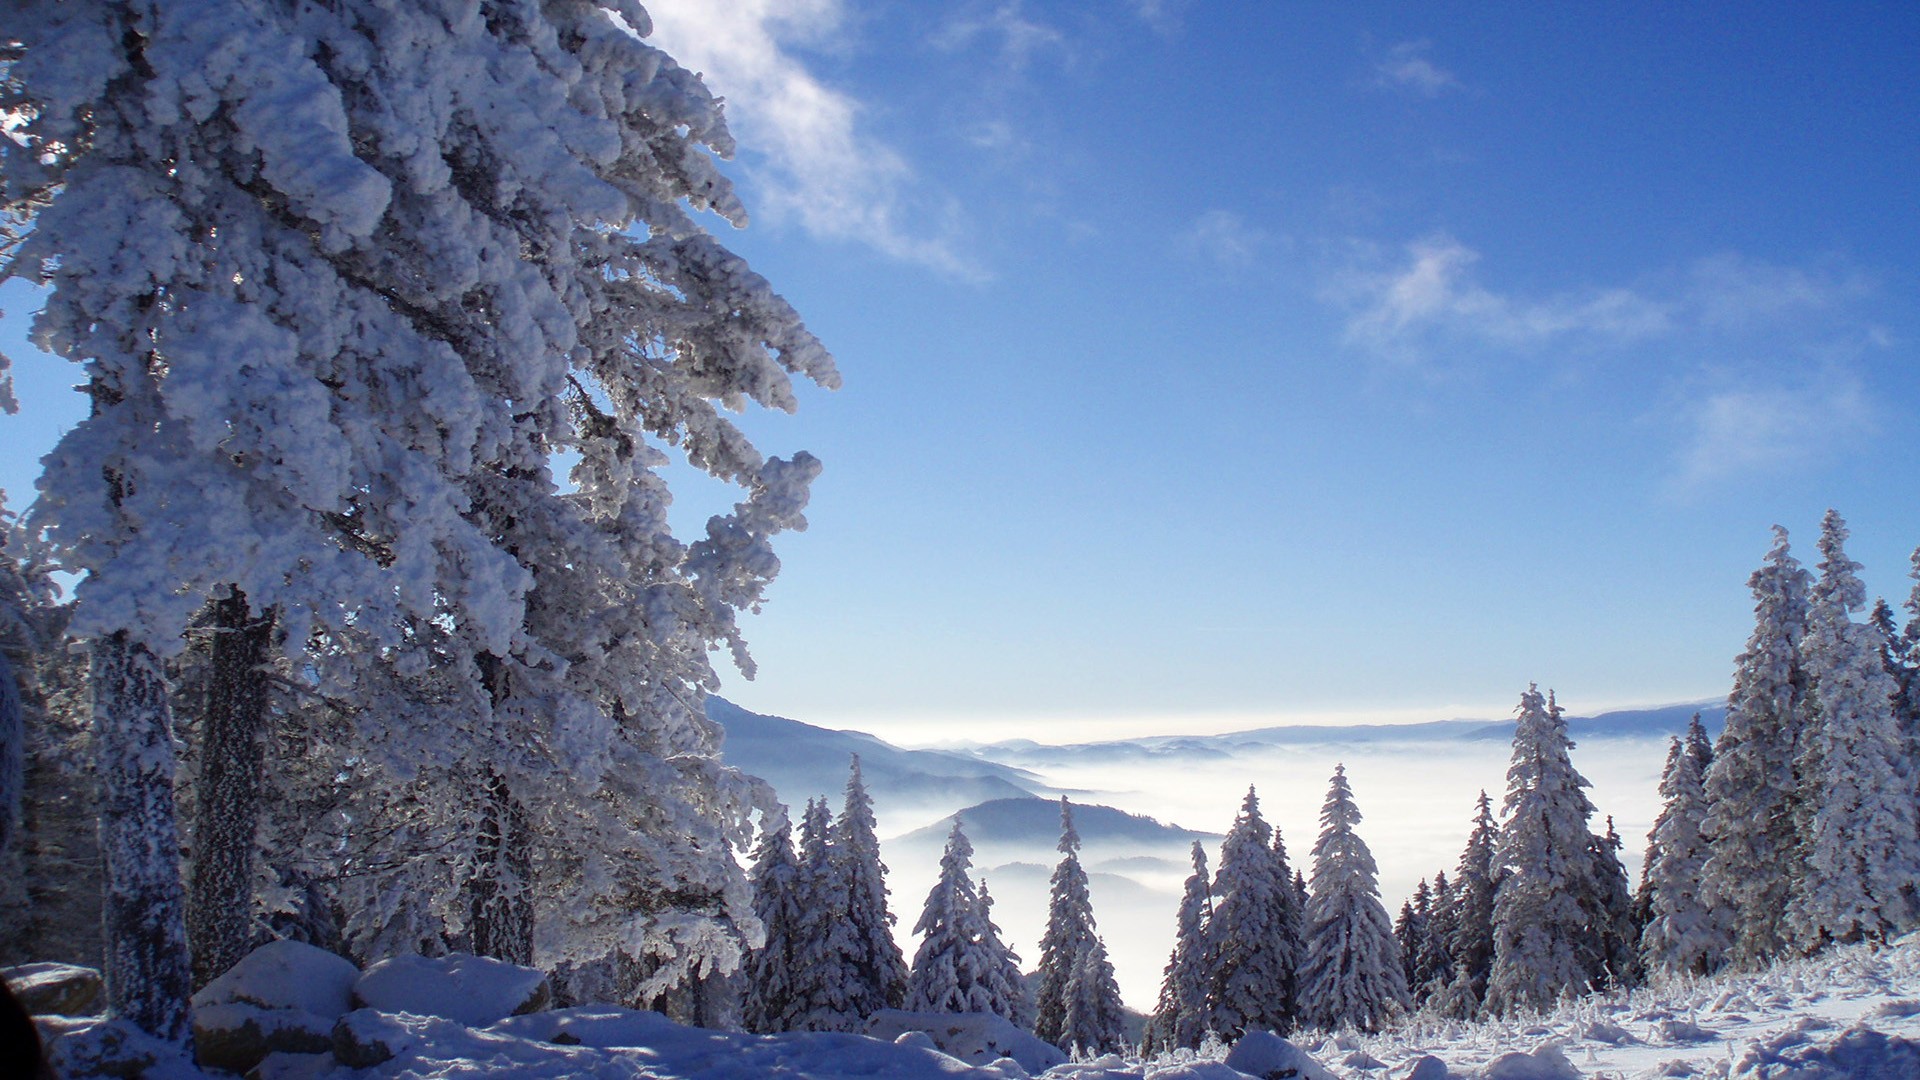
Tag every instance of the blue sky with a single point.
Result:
(1218, 364)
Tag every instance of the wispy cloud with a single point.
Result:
(812, 160)
(1400, 311)
(1006, 27)
(1406, 68)
(1736, 432)
(1224, 237)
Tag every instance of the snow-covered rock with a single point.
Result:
(286, 975)
(470, 990)
(1547, 1062)
(236, 1036)
(1268, 1056)
(975, 1038)
(1427, 1067)
(53, 988)
(1858, 1053)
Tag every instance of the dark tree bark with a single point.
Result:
(227, 794)
(148, 974)
(500, 912)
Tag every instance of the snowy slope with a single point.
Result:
(1851, 1014)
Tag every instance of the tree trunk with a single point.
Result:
(501, 914)
(147, 972)
(227, 807)
(13, 762)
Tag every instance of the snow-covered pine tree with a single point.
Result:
(1180, 1016)
(824, 947)
(1750, 787)
(1069, 937)
(1683, 934)
(1353, 977)
(1434, 965)
(347, 299)
(770, 988)
(1861, 851)
(1002, 990)
(1544, 942)
(1093, 1022)
(948, 967)
(881, 969)
(1069, 925)
(1477, 881)
(1617, 948)
(1412, 928)
(1255, 944)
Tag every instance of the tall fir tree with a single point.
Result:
(1093, 1022)
(1545, 943)
(1682, 934)
(1412, 928)
(825, 950)
(1003, 988)
(772, 979)
(1353, 977)
(1617, 944)
(949, 969)
(1477, 881)
(1254, 931)
(1750, 829)
(880, 979)
(1860, 849)
(1180, 1016)
(1069, 934)
(1433, 967)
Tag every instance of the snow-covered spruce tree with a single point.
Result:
(341, 300)
(1433, 967)
(1683, 934)
(1750, 826)
(1610, 905)
(771, 977)
(1180, 1016)
(1353, 976)
(1477, 881)
(1412, 927)
(1094, 1022)
(948, 967)
(880, 980)
(1256, 946)
(1860, 851)
(824, 949)
(1002, 990)
(1544, 941)
(1070, 933)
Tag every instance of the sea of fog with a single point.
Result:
(1417, 797)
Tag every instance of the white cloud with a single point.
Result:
(1742, 431)
(1406, 67)
(1435, 293)
(814, 163)
(1223, 236)
(1019, 38)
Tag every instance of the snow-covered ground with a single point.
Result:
(1852, 1014)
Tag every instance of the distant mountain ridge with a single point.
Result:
(1023, 820)
(803, 760)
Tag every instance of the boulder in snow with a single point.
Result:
(1858, 1053)
(1677, 1032)
(470, 990)
(54, 989)
(1428, 1067)
(367, 1037)
(1547, 1062)
(236, 1036)
(94, 1047)
(285, 975)
(1610, 1033)
(1268, 1056)
(975, 1038)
